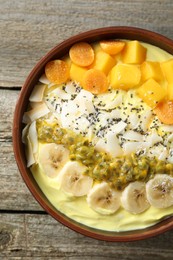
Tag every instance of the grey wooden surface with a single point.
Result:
(28, 29)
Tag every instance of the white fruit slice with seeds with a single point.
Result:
(52, 158)
(134, 198)
(103, 199)
(160, 191)
(73, 181)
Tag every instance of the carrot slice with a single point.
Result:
(57, 71)
(95, 81)
(112, 47)
(164, 111)
(82, 54)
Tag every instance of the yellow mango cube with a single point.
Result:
(96, 47)
(151, 69)
(151, 92)
(170, 91)
(167, 68)
(134, 53)
(103, 61)
(77, 73)
(124, 76)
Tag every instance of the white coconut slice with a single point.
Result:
(84, 95)
(113, 146)
(89, 106)
(37, 93)
(70, 88)
(43, 79)
(24, 134)
(50, 85)
(146, 119)
(164, 154)
(85, 106)
(35, 113)
(132, 135)
(167, 128)
(153, 138)
(90, 134)
(81, 124)
(100, 146)
(170, 138)
(159, 152)
(119, 127)
(29, 153)
(53, 102)
(115, 113)
(134, 120)
(35, 104)
(170, 157)
(132, 147)
(68, 114)
(109, 103)
(60, 93)
(32, 133)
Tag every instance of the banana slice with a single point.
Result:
(103, 199)
(52, 158)
(160, 191)
(73, 181)
(134, 198)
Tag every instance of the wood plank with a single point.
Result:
(34, 27)
(25, 235)
(13, 191)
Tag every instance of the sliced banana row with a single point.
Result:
(135, 198)
(54, 161)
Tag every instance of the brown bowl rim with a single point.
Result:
(117, 32)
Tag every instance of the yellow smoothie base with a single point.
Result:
(78, 209)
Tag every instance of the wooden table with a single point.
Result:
(28, 30)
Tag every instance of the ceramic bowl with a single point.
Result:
(57, 52)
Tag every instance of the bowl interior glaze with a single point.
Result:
(58, 51)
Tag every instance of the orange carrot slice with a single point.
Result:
(57, 71)
(112, 47)
(164, 111)
(82, 54)
(95, 81)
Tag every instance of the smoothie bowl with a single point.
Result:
(93, 133)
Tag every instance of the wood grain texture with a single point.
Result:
(29, 29)
(13, 192)
(25, 235)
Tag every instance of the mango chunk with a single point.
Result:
(164, 112)
(124, 76)
(77, 73)
(151, 93)
(170, 91)
(167, 68)
(134, 53)
(96, 47)
(103, 62)
(151, 69)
